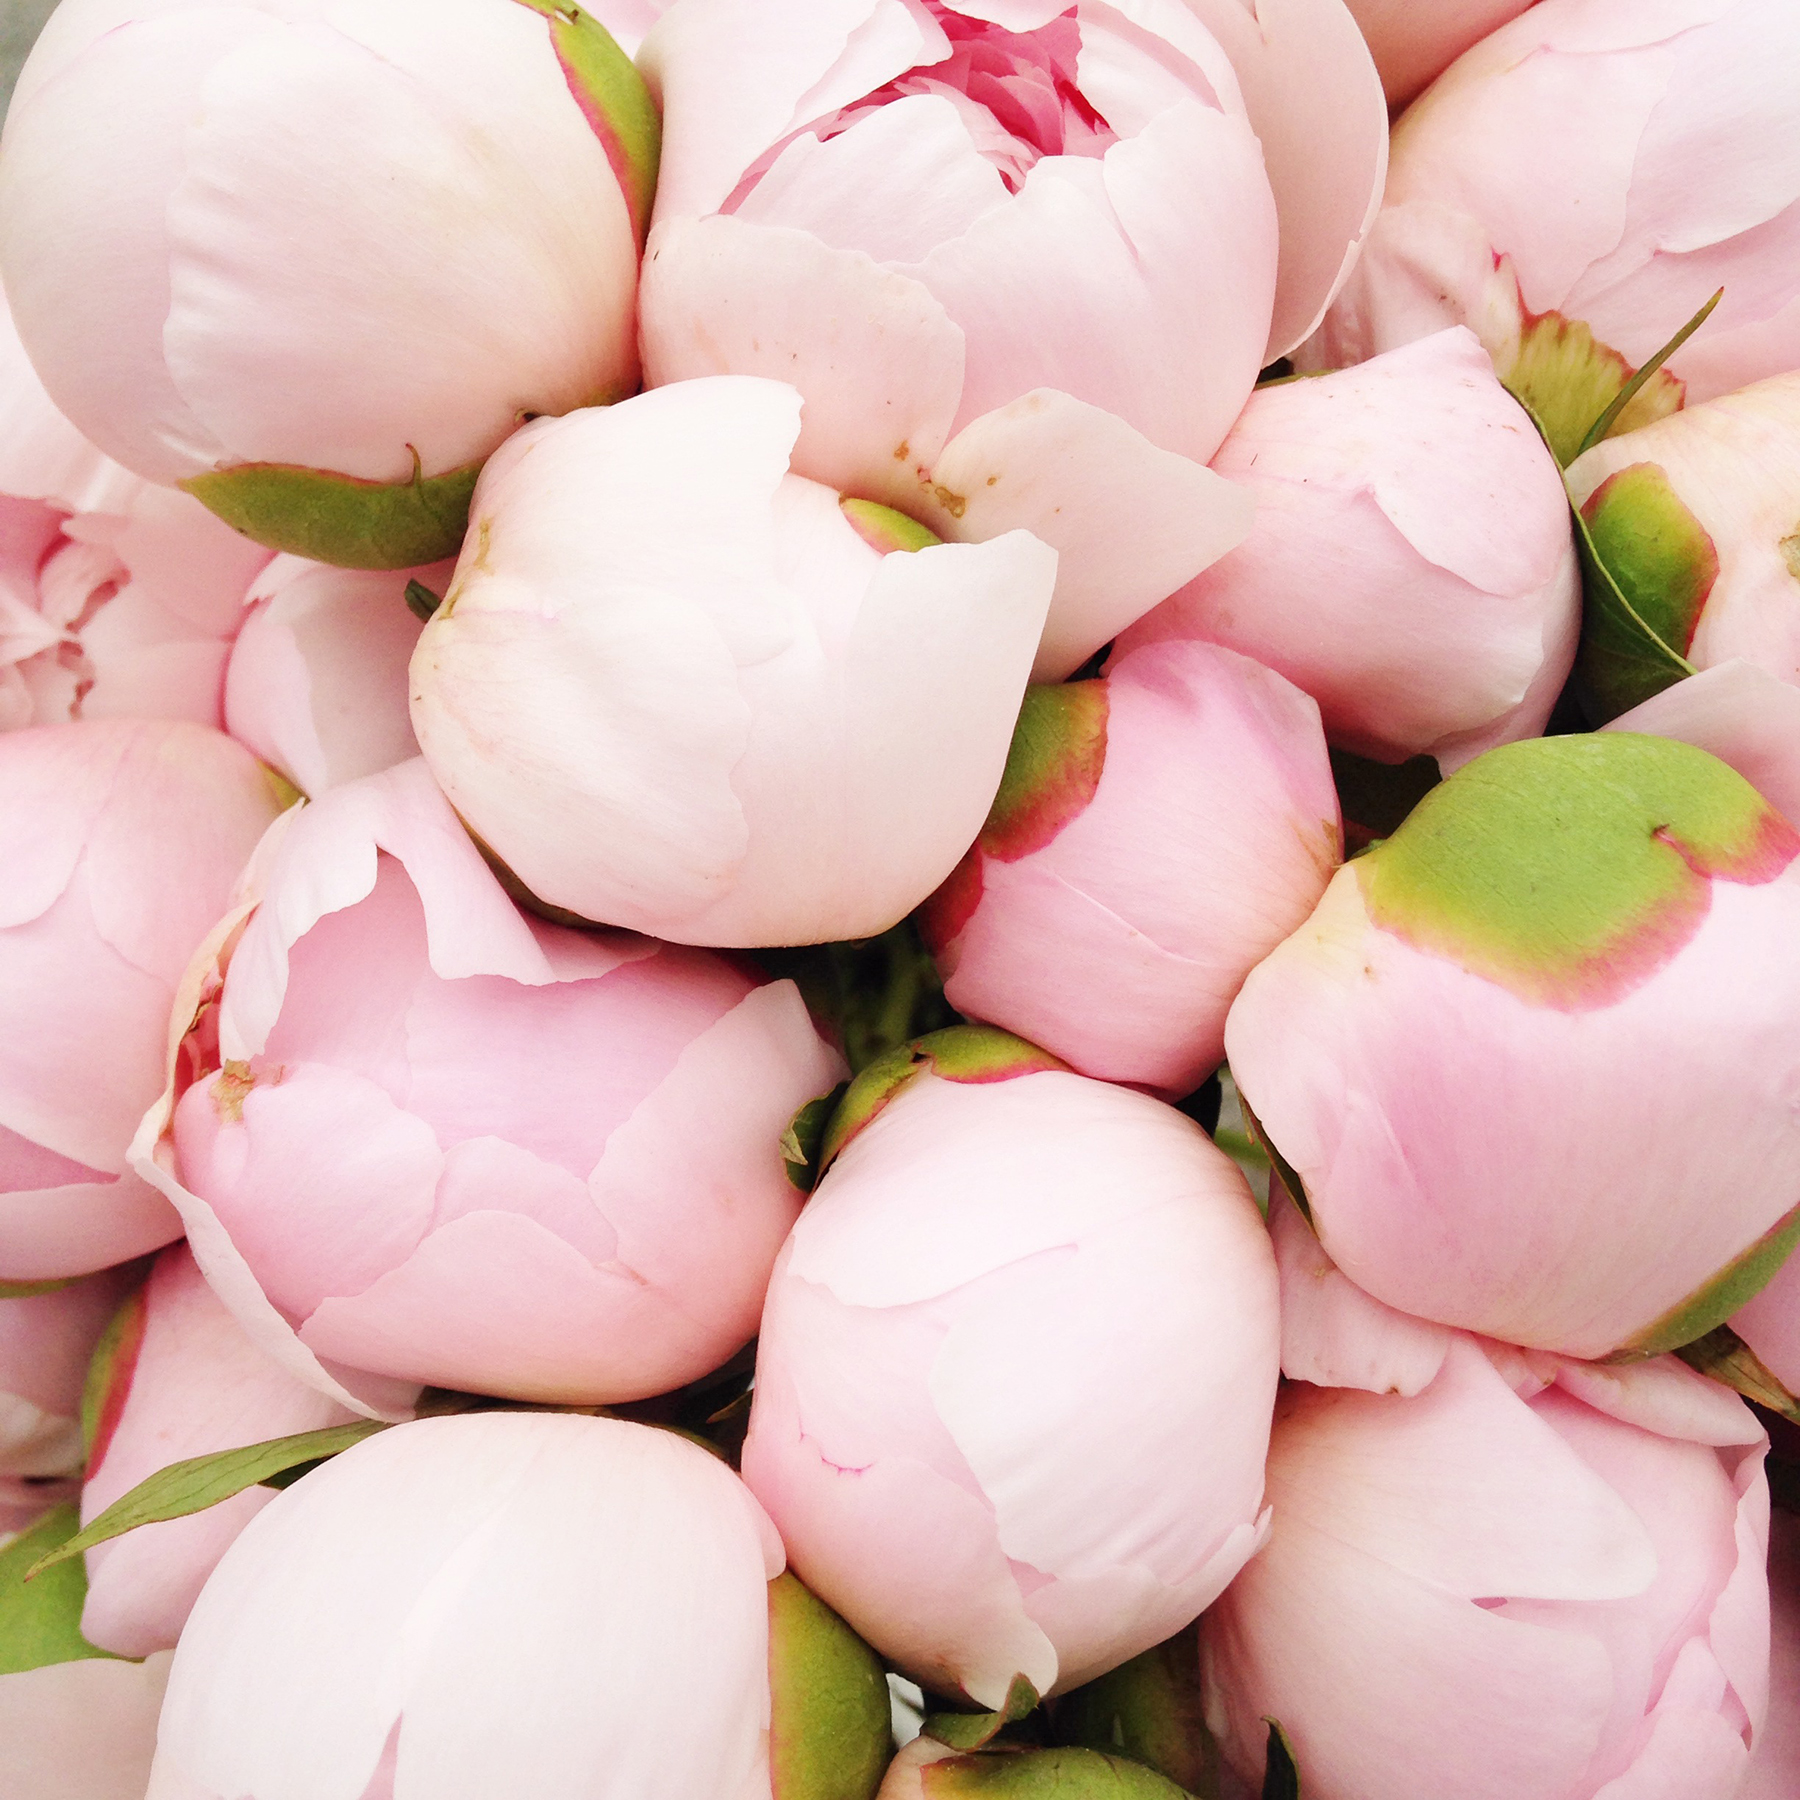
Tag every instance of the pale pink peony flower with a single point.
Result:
(181, 1380)
(317, 682)
(674, 687)
(1775, 1764)
(1415, 41)
(1411, 567)
(441, 1141)
(502, 1603)
(117, 599)
(1020, 257)
(964, 1422)
(1465, 1055)
(1603, 165)
(1716, 489)
(45, 1342)
(1159, 831)
(119, 844)
(298, 254)
(1502, 1590)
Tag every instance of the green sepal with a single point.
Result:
(341, 519)
(109, 1373)
(613, 99)
(202, 1481)
(421, 602)
(1282, 1173)
(1281, 1774)
(805, 1138)
(973, 1730)
(1053, 767)
(27, 1290)
(885, 529)
(1148, 1710)
(1724, 1357)
(40, 1623)
(1058, 1774)
(1715, 1301)
(1567, 380)
(970, 1053)
(830, 1725)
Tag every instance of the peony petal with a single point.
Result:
(80, 1730)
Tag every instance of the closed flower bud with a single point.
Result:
(963, 1424)
(1159, 830)
(676, 688)
(437, 1141)
(315, 262)
(1464, 1056)
(119, 845)
(1411, 566)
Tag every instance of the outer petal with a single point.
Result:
(81, 1730)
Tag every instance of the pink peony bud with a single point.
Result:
(964, 1425)
(1158, 832)
(1697, 517)
(1465, 1055)
(119, 844)
(117, 599)
(1775, 1764)
(439, 1141)
(1546, 192)
(1411, 567)
(317, 682)
(1021, 259)
(675, 688)
(180, 1379)
(1414, 41)
(45, 1342)
(315, 261)
(1499, 1595)
(496, 1604)
(1770, 1325)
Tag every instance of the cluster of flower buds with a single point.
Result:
(897, 903)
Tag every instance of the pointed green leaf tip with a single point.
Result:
(40, 1621)
(1714, 1301)
(972, 1053)
(805, 1138)
(203, 1481)
(1643, 546)
(1567, 379)
(830, 1729)
(1723, 1356)
(884, 529)
(1568, 870)
(339, 519)
(973, 1730)
(1021, 1774)
(614, 101)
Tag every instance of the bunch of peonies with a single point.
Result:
(672, 677)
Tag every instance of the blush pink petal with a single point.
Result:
(1775, 1761)
(1414, 41)
(81, 1730)
(197, 1385)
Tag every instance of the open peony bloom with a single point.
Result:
(439, 1141)
(502, 1603)
(964, 1425)
(119, 844)
(1411, 566)
(317, 682)
(117, 599)
(179, 1379)
(45, 1342)
(1158, 832)
(1545, 193)
(313, 261)
(1023, 258)
(1414, 41)
(674, 687)
(1501, 1590)
(1697, 517)
(1464, 1055)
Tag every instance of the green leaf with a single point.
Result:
(1148, 1710)
(1282, 1173)
(421, 601)
(203, 1481)
(1724, 1357)
(41, 1623)
(1714, 1301)
(805, 1137)
(341, 519)
(971, 1730)
(830, 1726)
(1007, 1773)
(1281, 1774)
(1603, 425)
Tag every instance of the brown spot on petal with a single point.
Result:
(954, 504)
